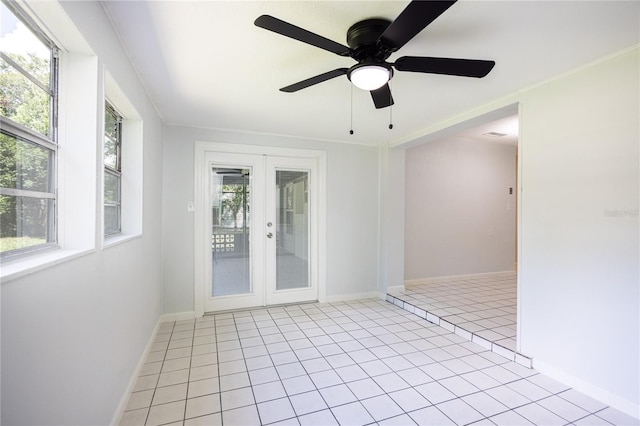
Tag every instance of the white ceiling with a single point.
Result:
(504, 131)
(205, 64)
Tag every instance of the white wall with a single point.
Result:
(72, 334)
(352, 212)
(578, 267)
(580, 305)
(460, 217)
(391, 206)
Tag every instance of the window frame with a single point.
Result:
(25, 134)
(115, 172)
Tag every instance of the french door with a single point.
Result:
(260, 239)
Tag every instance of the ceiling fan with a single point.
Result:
(371, 42)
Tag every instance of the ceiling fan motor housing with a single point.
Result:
(362, 38)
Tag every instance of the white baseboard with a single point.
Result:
(430, 280)
(178, 316)
(353, 296)
(122, 406)
(395, 289)
(632, 408)
(381, 295)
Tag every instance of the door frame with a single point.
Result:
(202, 148)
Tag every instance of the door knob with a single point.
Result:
(269, 235)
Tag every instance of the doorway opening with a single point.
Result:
(461, 231)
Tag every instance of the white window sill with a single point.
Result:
(118, 239)
(18, 268)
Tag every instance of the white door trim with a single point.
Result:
(200, 185)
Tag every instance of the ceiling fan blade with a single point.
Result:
(314, 80)
(382, 97)
(449, 66)
(413, 19)
(289, 30)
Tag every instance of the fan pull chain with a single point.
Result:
(351, 131)
(390, 107)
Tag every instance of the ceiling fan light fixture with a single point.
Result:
(369, 76)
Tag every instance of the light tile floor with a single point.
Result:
(483, 308)
(351, 363)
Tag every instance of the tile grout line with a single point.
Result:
(186, 396)
(155, 388)
(244, 358)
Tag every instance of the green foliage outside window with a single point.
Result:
(234, 198)
(26, 166)
(21, 100)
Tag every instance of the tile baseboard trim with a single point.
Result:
(454, 277)
(524, 360)
(615, 401)
(504, 352)
(124, 401)
(472, 337)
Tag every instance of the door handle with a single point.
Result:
(269, 235)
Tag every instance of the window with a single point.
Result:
(112, 171)
(28, 135)
(123, 167)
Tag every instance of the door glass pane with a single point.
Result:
(292, 232)
(230, 248)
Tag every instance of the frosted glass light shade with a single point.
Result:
(370, 77)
